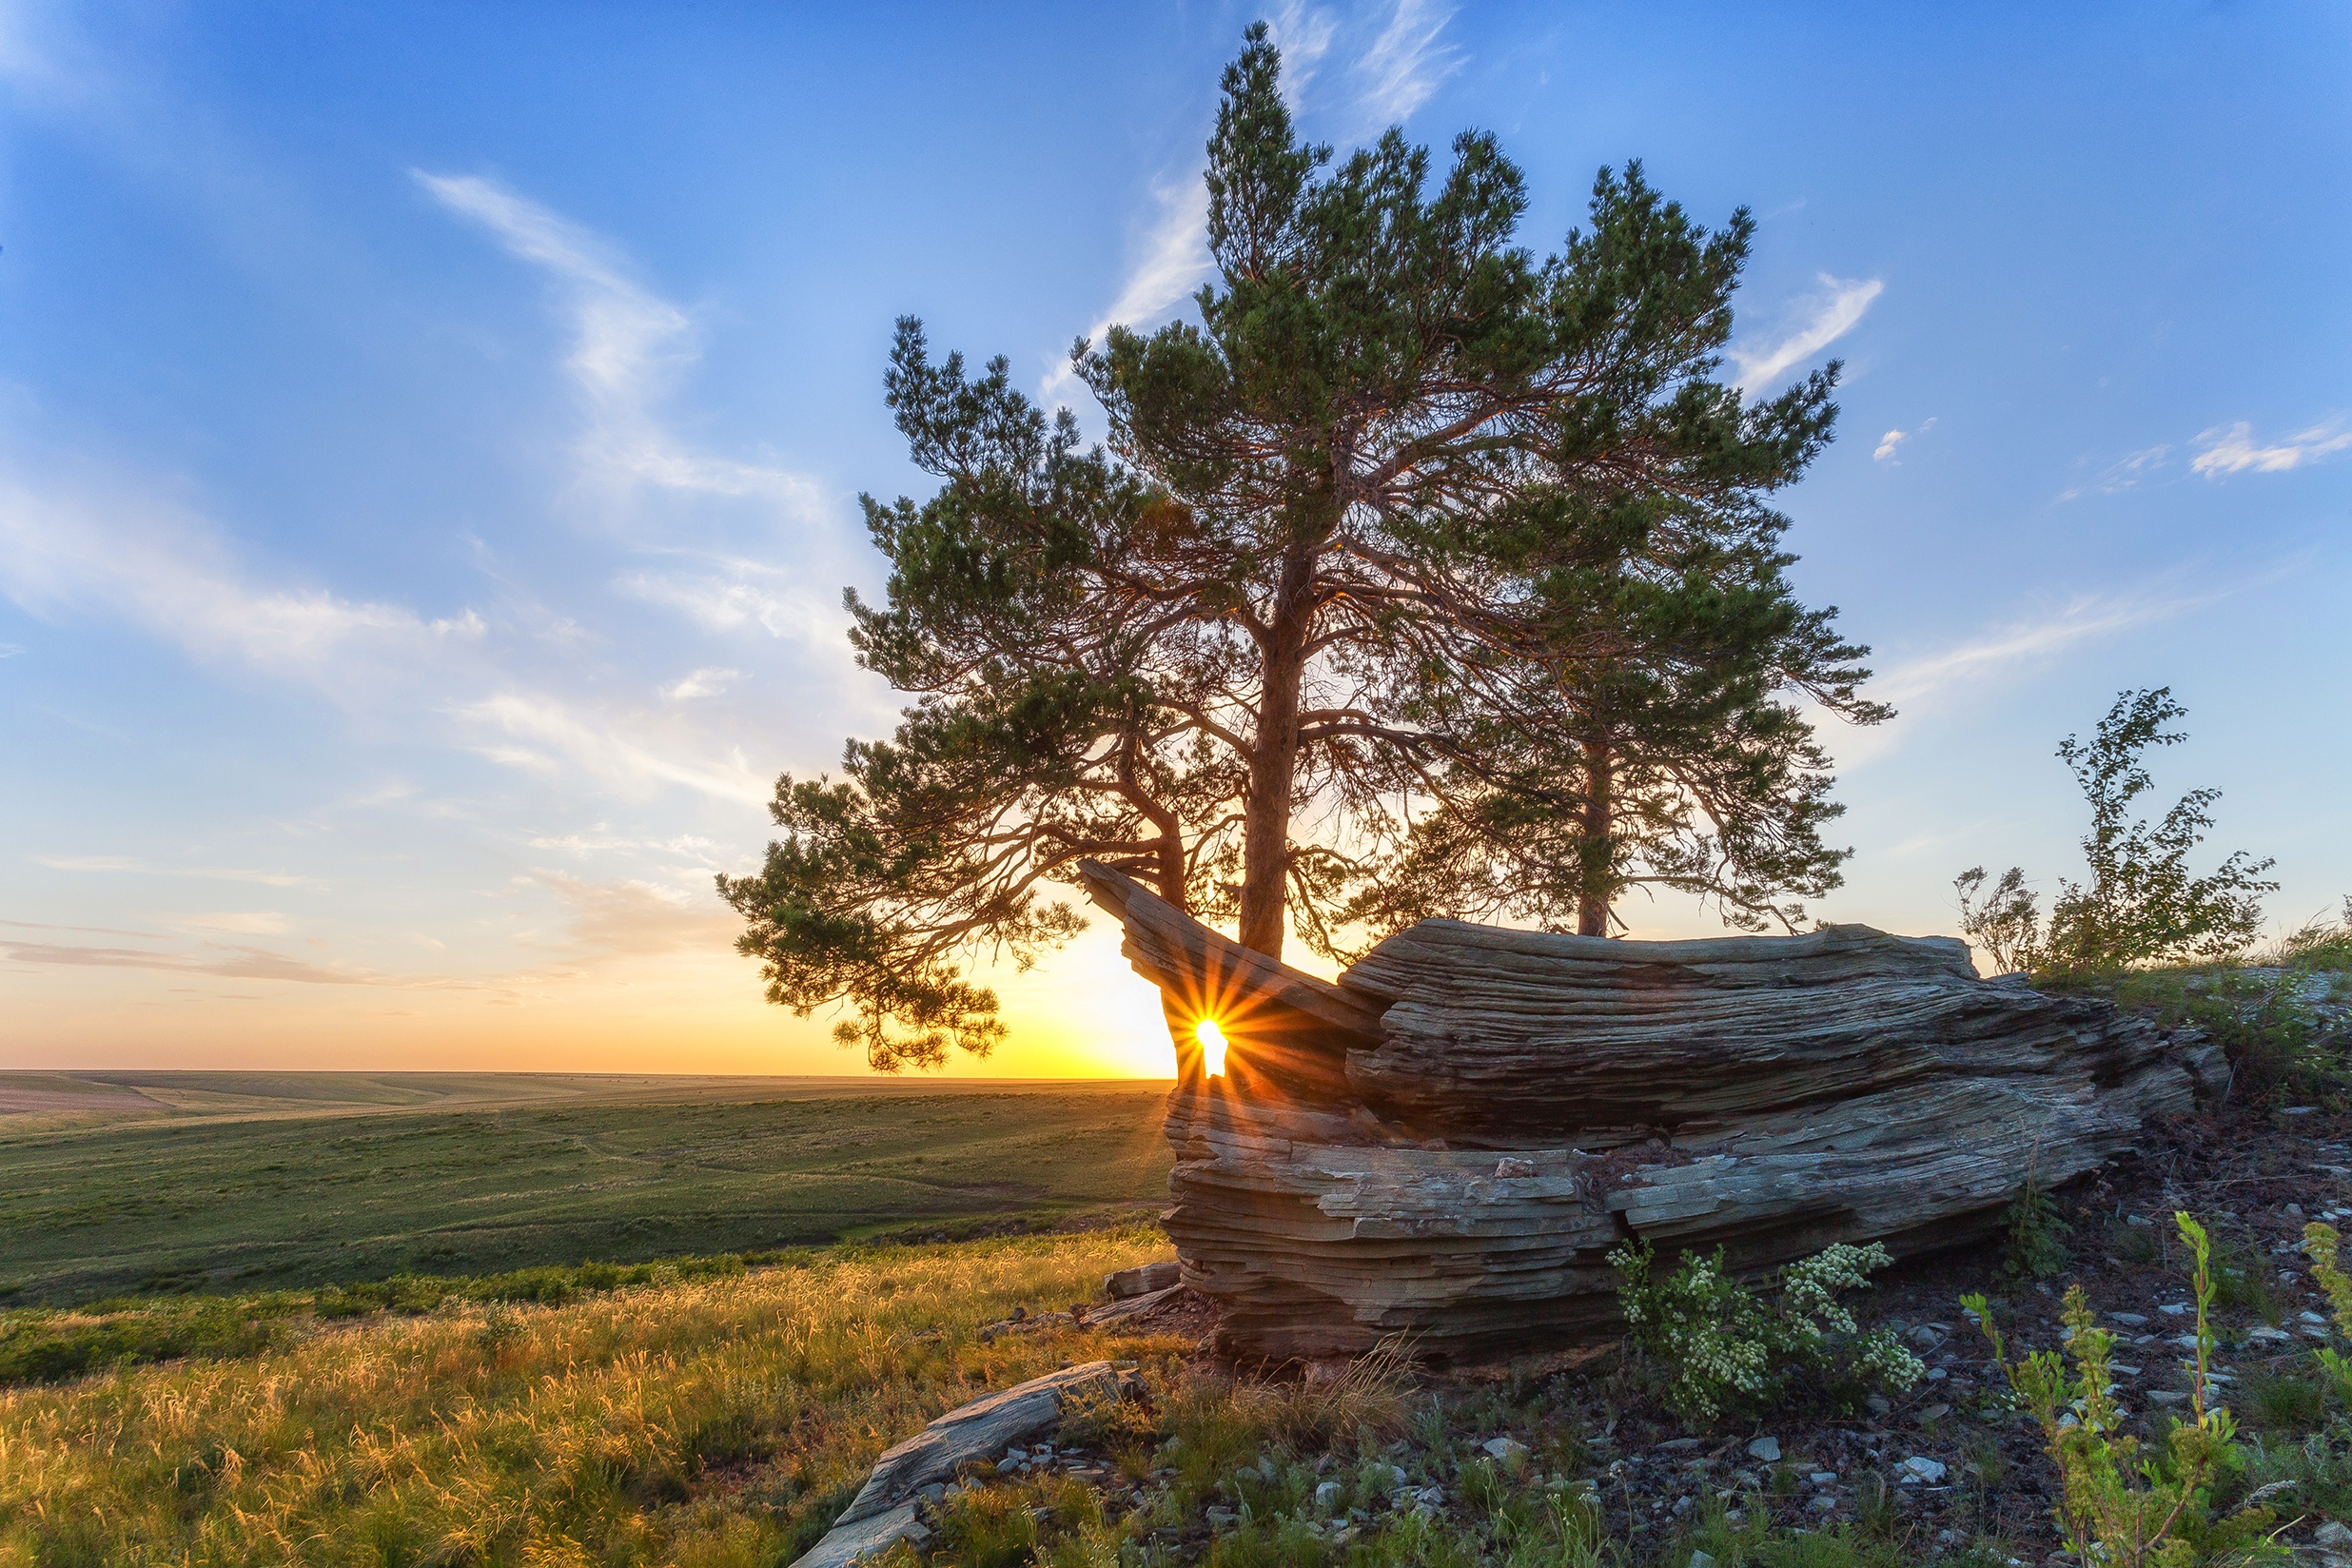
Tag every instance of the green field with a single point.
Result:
(119, 1182)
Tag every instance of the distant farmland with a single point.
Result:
(119, 1182)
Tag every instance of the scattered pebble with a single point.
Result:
(1506, 1451)
(1920, 1470)
(1767, 1449)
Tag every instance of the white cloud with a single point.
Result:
(2124, 474)
(637, 919)
(2028, 642)
(161, 567)
(737, 598)
(1890, 443)
(1396, 75)
(629, 346)
(240, 923)
(709, 681)
(1836, 312)
(1175, 261)
(9, 650)
(618, 752)
(1921, 686)
(2231, 449)
(148, 868)
(1303, 34)
(1406, 63)
(238, 963)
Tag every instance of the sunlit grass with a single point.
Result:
(714, 1420)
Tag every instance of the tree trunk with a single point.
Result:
(1273, 768)
(1598, 888)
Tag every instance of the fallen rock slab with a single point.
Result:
(1446, 1142)
(883, 1513)
(1143, 1281)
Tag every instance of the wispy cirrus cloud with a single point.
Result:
(629, 757)
(69, 546)
(232, 963)
(629, 347)
(2002, 653)
(1392, 75)
(2233, 449)
(1836, 310)
(199, 874)
(2035, 641)
(1408, 63)
(2125, 472)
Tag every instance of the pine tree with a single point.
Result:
(1304, 597)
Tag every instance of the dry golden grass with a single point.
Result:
(709, 1423)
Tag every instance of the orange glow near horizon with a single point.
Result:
(1212, 1046)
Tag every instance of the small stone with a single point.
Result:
(2138, 1219)
(1936, 1374)
(1925, 1336)
(1512, 1166)
(2272, 1334)
(1878, 1405)
(2173, 1309)
(1506, 1451)
(1767, 1449)
(1921, 1470)
(2312, 1317)
(2297, 1110)
(2129, 1319)
(933, 1492)
(1822, 1478)
(1822, 1504)
(2334, 1535)
(2293, 1211)
(2165, 1396)
(1219, 1519)
(1017, 1314)
(1128, 1283)
(1678, 1445)
(1327, 1497)
(1702, 1560)
(1934, 1413)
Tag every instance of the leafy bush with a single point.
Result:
(2319, 1246)
(2117, 1507)
(2140, 904)
(1721, 1346)
(48, 1347)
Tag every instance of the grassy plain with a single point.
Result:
(713, 1423)
(144, 1182)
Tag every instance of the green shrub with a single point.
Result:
(2036, 1248)
(2320, 1243)
(2140, 905)
(2116, 1506)
(1720, 1347)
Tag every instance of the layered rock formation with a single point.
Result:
(1447, 1143)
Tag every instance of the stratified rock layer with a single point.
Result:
(1447, 1143)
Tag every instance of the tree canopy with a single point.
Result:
(1406, 552)
(2140, 905)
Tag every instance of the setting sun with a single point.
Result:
(1212, 1046)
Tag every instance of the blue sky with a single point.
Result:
(429, 439)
